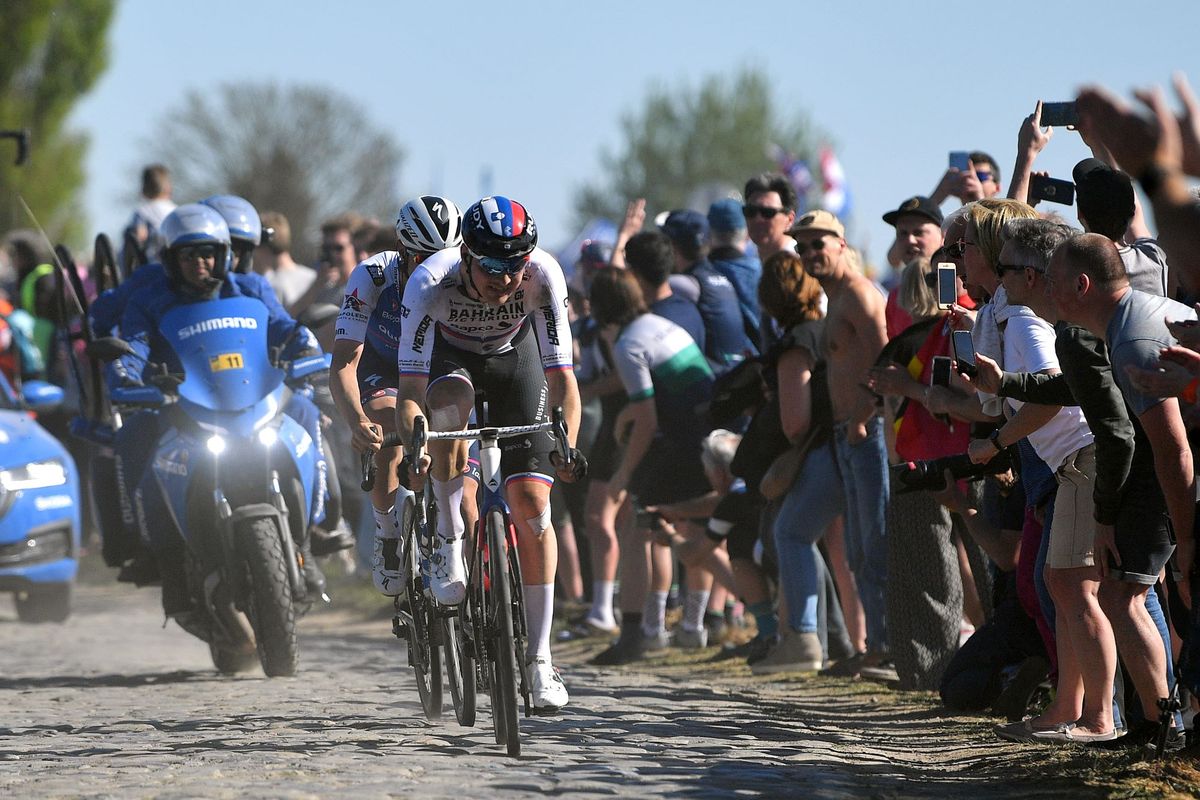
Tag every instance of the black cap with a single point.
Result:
(917, 204)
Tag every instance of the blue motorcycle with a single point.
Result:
(238, 477)
(39, 507)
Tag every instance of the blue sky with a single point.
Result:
(535, 90)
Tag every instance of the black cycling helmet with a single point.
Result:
(496, 227)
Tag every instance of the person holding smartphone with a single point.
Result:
(918, 224)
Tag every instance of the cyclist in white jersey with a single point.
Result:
(363, 371)
(493, 316)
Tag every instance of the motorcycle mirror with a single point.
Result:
(318, 315)
(108, 348)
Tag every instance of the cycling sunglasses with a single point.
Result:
(501, 266)
(817, 245)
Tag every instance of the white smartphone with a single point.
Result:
(947, 285)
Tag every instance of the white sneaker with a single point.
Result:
(448, 573)
(387, 572)
(547, 692)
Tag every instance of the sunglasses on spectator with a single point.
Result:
(501, 266)
(956, 250)
(817, 246)
(1003, 268)
(983, 175)
(334, 248)
(766, 212)
(198, 251)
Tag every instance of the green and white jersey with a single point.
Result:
(657, 358)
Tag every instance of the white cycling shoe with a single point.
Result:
(448, 573)
(547, 692)
(387, 572)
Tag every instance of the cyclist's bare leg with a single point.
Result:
(449, 400)
(537, 547)
(382, 412)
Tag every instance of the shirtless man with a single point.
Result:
(854, 336)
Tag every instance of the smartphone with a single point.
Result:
(1059, 114)
(964, 353)
(947, 285)
(960, 160)
(1051, 189)
(940, 375)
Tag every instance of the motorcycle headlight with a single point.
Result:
(216, 444)
(34, 475)
(268, 436)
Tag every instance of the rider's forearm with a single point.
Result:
(564, 392)
(343, 385)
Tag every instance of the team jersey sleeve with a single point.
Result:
(633, 366)
(359, 301)
(550, 321)
(414, 353)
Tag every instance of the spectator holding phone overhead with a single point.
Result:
(970, 176)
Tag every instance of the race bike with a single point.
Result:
(237, 475)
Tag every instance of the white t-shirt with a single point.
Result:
(1029, 347)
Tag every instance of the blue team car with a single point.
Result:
(39, 507)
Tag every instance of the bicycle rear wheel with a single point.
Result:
(504, 692)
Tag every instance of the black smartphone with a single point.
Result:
(947, 285)
(960, 160)
(1052, 190)
(1059, 114)
(940, 374)
(964, 353)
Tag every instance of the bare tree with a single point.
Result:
(308, 152)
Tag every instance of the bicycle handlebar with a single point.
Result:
(557, 427)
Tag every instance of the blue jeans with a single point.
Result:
(811, 504)
(864, 472)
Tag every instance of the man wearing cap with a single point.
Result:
(1107, 205)
(918, 224)
(853, 338)
(727, 233)
(695, 278)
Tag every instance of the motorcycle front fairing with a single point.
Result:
(228, 428)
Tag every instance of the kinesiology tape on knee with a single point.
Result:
(541, 523)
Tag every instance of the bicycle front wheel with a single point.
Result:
(503, 651)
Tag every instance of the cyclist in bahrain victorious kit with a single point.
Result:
(492, 316)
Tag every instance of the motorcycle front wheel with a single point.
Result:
(270, 606)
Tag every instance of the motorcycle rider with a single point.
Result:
(196, 267)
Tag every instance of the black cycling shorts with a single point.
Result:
(377, 376)
(514, 386)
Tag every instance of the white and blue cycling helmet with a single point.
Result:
(195, 224)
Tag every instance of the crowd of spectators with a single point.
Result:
(795, 448)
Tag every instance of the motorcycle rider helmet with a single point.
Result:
(428, 224)
(195, 224)
(500, 233)
(245, 227)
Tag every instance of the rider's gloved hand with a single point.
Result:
(416, 477)
(571, 472)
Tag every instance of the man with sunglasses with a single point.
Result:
(853, 338)
(363, 373)
(979, 181)
(770, 209)
(491, 317)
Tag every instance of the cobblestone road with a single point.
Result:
(112, 704)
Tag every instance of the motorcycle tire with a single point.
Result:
(271, 609)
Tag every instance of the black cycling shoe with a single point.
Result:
(323, 542)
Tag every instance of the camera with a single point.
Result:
(646, 519)
(929, 475)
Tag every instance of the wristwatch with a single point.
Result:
(994, 438)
